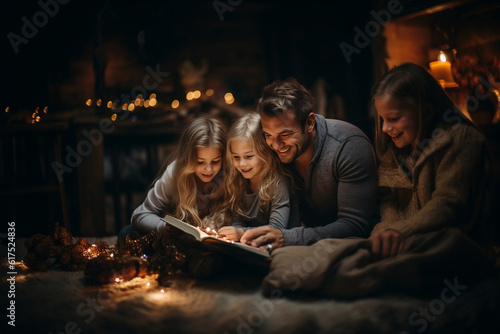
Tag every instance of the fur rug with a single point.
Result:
(62, 302)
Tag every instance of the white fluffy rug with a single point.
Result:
(61, 302)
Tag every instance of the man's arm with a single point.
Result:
(356, 176)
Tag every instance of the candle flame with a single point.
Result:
(442, 57)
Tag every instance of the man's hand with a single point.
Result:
(386, 244)
(263, 236)
(231, 233)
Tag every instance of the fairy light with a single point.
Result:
(113, 117)
(148, 284)
(89, 102)
(196, 94)
(109, 104)
(98, 103)
(7, 109)
(131, 107)
(137, 102)
(153, 102)
(45, 110)
(229, 98)
(162, 291)
(146, 104)
(117, 280)
(209, 92)
(175, 104)
(152, 96)
(124, 106)
(37, 109)
(189, 96)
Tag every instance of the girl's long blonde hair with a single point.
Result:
(248, 128)
(189, 205)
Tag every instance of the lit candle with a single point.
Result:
(441, 71)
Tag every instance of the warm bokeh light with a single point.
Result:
(189, 96)
(131, 107)
(45, 110)
(139, 96)
(109, 104)
(209, 92)
(124, 107)
(229, 98)
(113, 117)
(37, 118)
(37, 109)
(146, 104)
(89, 102)
(175, 104)
(34, 115)
(153, 102)
(98, 103)
(152, 96)
(196, 94)
(137, 102)
(7, 109)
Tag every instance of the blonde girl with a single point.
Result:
(258, 190)
(433, 162)
(191, 187)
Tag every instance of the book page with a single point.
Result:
(190, 229)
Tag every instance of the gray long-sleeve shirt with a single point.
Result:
(338, 193)
(282, 213)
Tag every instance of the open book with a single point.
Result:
(232, 248)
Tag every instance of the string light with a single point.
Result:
(139, 101)
(7, 109)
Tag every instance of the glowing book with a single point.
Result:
(232, 248)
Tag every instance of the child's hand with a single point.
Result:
(231, 233)
(386, 244)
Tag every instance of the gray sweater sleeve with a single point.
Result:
(356, 192)
(278, 215)
(146, 217)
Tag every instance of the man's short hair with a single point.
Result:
(283, 95)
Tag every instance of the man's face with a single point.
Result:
(285, 135)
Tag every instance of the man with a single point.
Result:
(333, 165)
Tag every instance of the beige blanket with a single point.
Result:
(344, 268)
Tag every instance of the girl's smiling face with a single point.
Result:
(209, 163)
(398, 122)
(245, 160)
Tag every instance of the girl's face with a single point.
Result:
(398, 122)
(209, 161)
(245, 160)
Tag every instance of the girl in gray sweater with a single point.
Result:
(259, 190)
